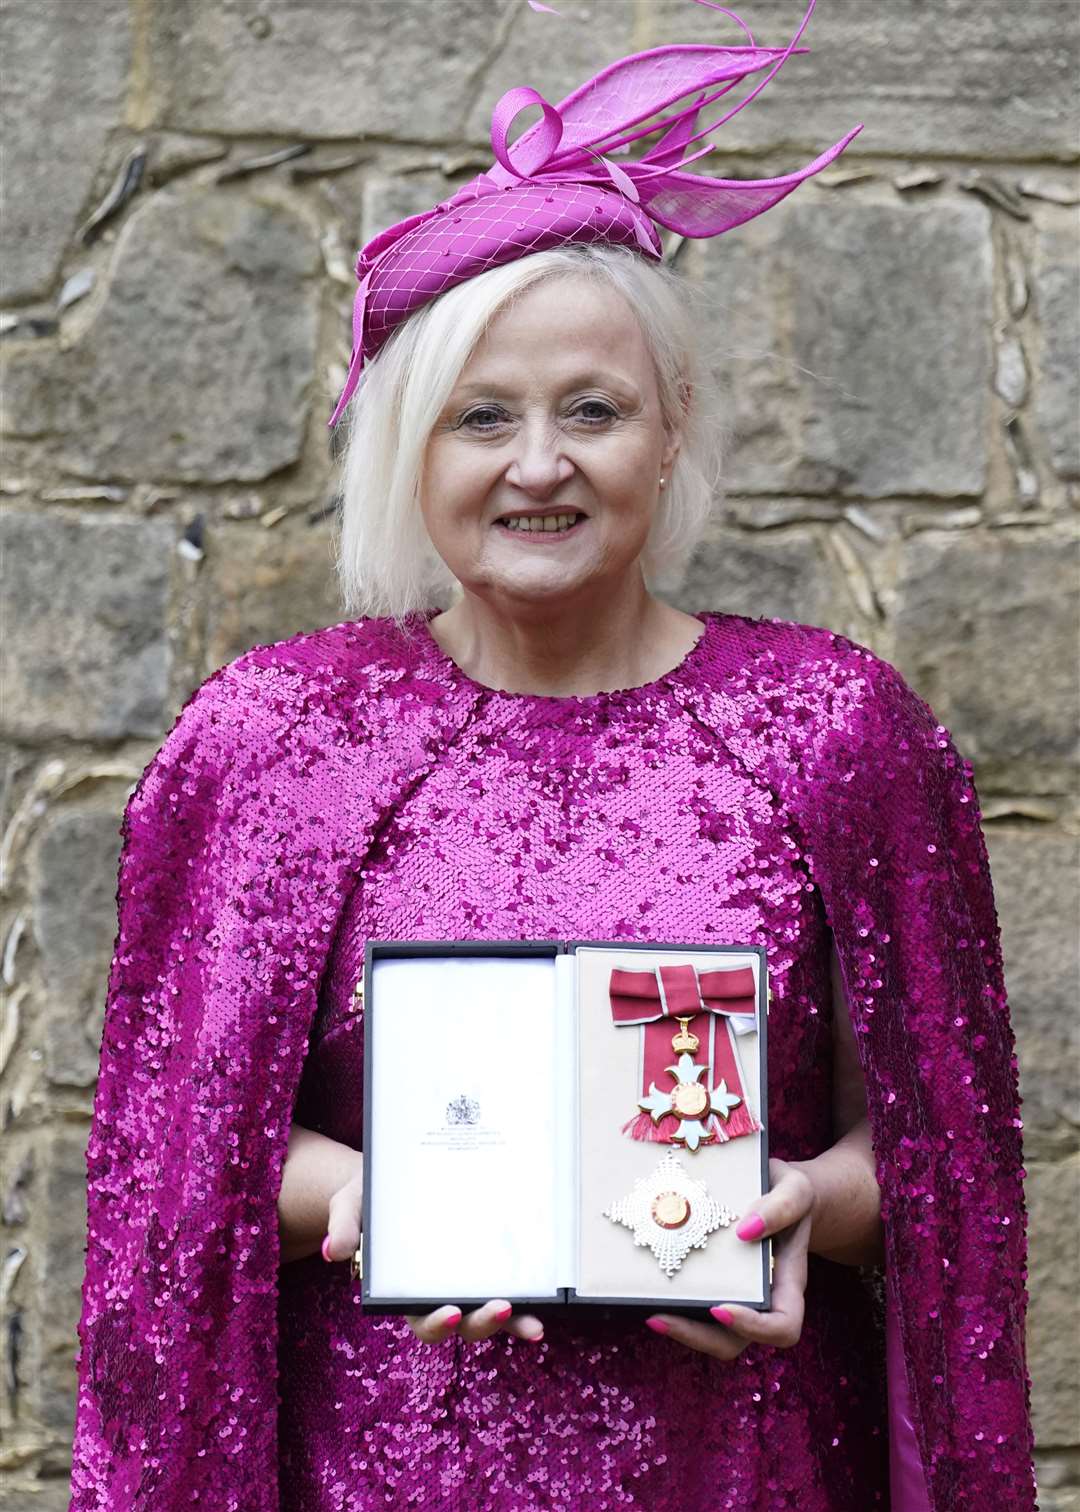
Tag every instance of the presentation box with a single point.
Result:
(563, 1122)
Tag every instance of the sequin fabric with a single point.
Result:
(779, 786)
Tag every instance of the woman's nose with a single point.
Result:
(539, 463)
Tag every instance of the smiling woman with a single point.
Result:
(517, 738)
(593, 343)
(557, 417)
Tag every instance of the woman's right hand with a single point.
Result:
(343, 1237)
(494, 1317)
(344, 1219)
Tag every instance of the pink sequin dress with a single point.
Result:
(780, 787)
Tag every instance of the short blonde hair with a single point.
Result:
(385, 561)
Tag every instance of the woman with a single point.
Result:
(557, 754)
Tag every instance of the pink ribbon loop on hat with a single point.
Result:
(538, 145)
(532, 155)
(533, 152)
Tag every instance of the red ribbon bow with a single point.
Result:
(639, 997)
(709, 1000)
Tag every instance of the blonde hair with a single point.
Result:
(385, 561)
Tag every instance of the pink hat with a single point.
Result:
(557, 185)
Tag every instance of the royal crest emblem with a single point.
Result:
(463, 1110)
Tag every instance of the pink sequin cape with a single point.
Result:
(241, 842)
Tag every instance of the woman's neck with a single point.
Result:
(621, 642)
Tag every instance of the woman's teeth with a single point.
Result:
(541, 522)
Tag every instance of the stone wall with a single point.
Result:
(187, 182)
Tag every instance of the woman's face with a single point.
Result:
(555, 419)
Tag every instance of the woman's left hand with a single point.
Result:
(785, 1214)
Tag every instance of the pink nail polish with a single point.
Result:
(454, 1319)
(325, 1247)
(503, 1313)
(751, 1228)
(658, 1325)
(722, 1315)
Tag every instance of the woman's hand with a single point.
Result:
(343, 1223)
(344, 1219)
(343, 1238)
(316, 1170)
(785, 1213)
(494, 1317)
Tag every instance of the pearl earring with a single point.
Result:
(662, 482)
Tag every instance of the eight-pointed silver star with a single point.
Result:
(670, 1245)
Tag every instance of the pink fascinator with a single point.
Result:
(557, 184)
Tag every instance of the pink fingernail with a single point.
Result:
(503, 1313)
(658, 1325)
(454, 1319)
(325, 1247)
(752, 1227)
(722, 1315)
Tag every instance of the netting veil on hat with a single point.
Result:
(558, 185)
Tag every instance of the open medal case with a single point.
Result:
(563, 1122)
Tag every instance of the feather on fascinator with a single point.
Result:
(557, 184)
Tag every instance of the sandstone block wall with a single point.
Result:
(186, 183)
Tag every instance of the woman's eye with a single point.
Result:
(483, 419)
(600, 411)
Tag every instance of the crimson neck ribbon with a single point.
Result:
(719, 1006)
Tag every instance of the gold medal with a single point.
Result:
(670, 1210)
(690, 1102)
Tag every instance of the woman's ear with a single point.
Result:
(674, 427)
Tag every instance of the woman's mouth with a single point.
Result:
(542, 527)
